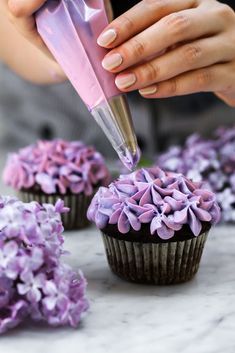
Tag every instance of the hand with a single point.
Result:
(167, 48)
(20, 14)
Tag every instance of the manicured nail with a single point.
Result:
(107, 37)
(125, 80)
(112, 61)
(148, 90)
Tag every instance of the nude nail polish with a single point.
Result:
(112, 61)
(148, 90)
(125, 80)
(107, 37)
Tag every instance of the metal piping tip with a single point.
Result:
(114, 118)
(130, 160)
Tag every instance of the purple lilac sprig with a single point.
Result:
(33, 281)
(212, 161)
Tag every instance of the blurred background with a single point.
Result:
(29, 112)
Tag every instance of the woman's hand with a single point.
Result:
(20, 14)
(167, 48)
(19, 36)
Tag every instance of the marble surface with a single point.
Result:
(196, 317)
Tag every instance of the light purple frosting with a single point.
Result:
(56, 166)
(211, 160)
(164, 200)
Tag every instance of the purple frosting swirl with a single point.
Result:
(165, 200)
(56, 166)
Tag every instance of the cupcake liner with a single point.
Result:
(76, 218)
(155, 263)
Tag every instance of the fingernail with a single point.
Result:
(107, 37)
(112, 61)
(125, 80)
(148, 90)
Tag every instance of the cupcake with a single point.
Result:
(52, 170)
(154, 225)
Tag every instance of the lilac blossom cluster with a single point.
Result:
(212, 161)
(56, 166)
(34, 283)
(165, 201)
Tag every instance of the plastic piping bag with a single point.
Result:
(70, 29)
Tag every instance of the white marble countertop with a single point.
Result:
(196, 317)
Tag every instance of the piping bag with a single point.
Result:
(70, 29)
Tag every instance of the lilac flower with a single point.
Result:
(232, 181)
(52, 295)
(9, 221)
(12, 315)
(8, 253)
(172, 159)
(64, 301)
(6, 291)
(31, 286)
(57, 167)
(211, 161)
(217, 180)
(31, 273)
(226, 198)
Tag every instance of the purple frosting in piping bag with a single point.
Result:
(165, 200)
(70, 29)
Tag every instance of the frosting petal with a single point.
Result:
(165, 201)
(194, 223)
(181, 217)
(56, 166)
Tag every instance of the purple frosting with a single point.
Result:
(212, 161)
(56, 166)
(164, 200)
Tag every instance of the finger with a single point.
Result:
(139, 17)
(229, 99)
(20, 15)
(175, 28)
(27, 27)
(210, 79)
(24, 8)
(195, 55)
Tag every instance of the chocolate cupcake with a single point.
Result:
(52, 170)
(154, 225)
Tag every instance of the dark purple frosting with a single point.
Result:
(164, 200)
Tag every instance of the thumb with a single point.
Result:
(24, 8)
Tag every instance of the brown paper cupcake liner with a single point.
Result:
(155, 263)
(76, 218)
